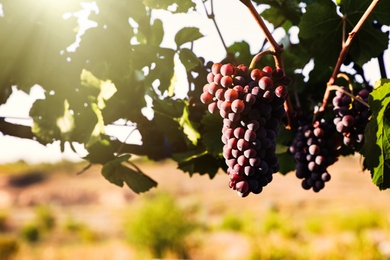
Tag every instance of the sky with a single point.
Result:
(226, 12)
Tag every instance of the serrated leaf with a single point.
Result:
(321, 31)
(211, 134)
(189, 130)
(281, 11)
(113, 170)
(187, 34)
(105, 87)
(66, 122)
(241, 51)
(100, 152)
(188, 58)
(117, 173)
(358, 7)
(376, 148)
(157, 34)
(137, 180)
(286, 162)
(197, 161)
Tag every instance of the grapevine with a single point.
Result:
(240, 114)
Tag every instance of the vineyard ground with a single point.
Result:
(103, 208)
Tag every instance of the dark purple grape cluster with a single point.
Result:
(315, 147)
(351, 117)
(251, 105)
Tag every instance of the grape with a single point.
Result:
(227, 69)
(242, 145)
(314, 148)
(251, 110)
(226, 106)
(226, 81)
(216, 68)
(212, 107)
(238, 106)
(239, 132)
(348, 120)
(213, 87)
(220, 94)
(281, 91)
(217, 79)
(210, 77)
(268, 70)
(266, 83)
(206, 98)
(231, 94)
(256, 74)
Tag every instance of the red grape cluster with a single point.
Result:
(351, 117)
(251, 105)
(315, 147)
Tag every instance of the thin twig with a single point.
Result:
(275, 47)
(257, 58)
(347, 43)
(357, 98)
(344, 51)
(212, 17)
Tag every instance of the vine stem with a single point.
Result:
(358, 99)
(344, 51)
(276, 49)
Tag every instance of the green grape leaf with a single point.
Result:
(173, 116)
(376, 148)
(281, 11)
(157, 32)
(100, 152)
(188, 58)
(45, 113)
(187, 34)
(106, 88)
(321, 31)
(175, 6)
(362, 50)
(241, 51)
(188, 128)
(358, 7)
(211, 134)
(66, 122)
(158, 60)
(117, 173)
(286, 162)
(197, 161)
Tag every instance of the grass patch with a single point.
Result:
(160, 226)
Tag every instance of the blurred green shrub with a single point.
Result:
(9, 246)
(30, 232)
(80, 230)
(232, 222)
(44, 218)
(160, 226)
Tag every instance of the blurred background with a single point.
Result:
(49, 212)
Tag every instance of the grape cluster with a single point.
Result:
(251, 105)
(315, 147)
(351, 117)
